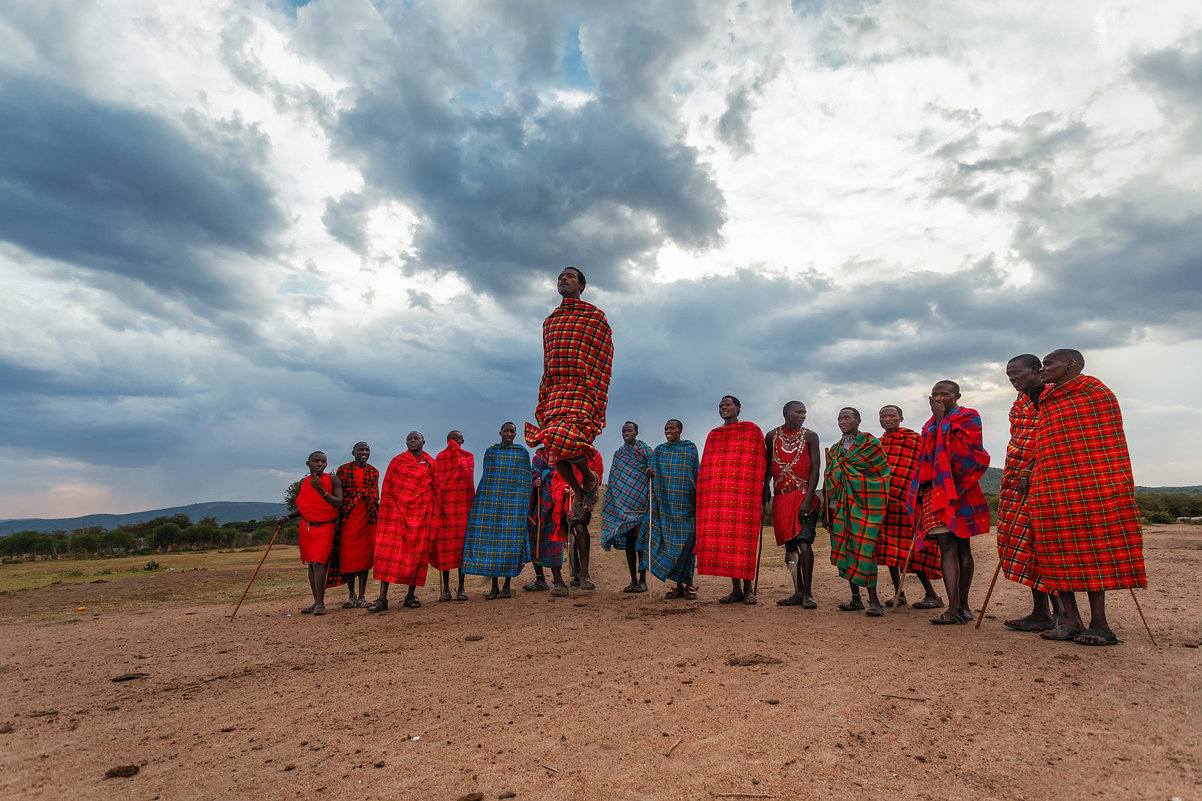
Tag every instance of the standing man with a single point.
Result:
(572, 396)
(856, 491)
(317, 502)
(674, 466)
(543, 524)
(795, 462)
(945, 497)
(496, 543)
(902, 448)
(1085, 527)
(357, 521)
(403, 531)
(455, 485)
(579, 541)
(625, 515)
(1013, 520)
(730, 490)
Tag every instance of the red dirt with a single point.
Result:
(585, 697)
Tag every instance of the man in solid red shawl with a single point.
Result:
(1025, 373)
(455, 484)
(1085, 529)
(795, 463)
(574, 391)
(317, 502)
(902, 447)
(356, 529)
(407, 502)
(945, 497)
(730, 487)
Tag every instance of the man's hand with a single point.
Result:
(538, 482)
(1024, 486)
(315, 483)
(650, 473)
(936, 408)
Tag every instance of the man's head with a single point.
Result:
(1061, 365)
(891, 417)
(630, 431)
(415, 442)
(729, 407)
(455, 436)
(947, 393)
(361, 453)
(673, 429)
(509, 432)
(1025, 372)
(849, 420)
(571, 282)
(316, 463)
(794, 414)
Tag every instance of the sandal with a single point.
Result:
(560, 590)
(1096, 637)
(749, 598)
(631, 587)
(319, 610)
(444, 597)
(308, 610)
(690, 592)
(733, 598)
(1062, 633)
(350, 604)
(968, 615)
(411, 602)
(538, 585)
(949, 618)
(793, 600)
(875, 610)
(378, 605)
(897, 601)
(640, 587)
(492, 594)
(505, 593)
(460, 595)
(808, 602)
(1027, 623)
(360, 603)
(929, 603)
(676, 592)
(854, 605)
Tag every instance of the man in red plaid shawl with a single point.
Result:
(403, 530)
(894, 546)
(572, 396)
(730, 486)
(357, 522)
(945, 497)
(455, 485)
(856, 494)
(1025, 373)
(1085, 530)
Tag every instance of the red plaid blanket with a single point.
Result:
(403, 529)
(952, 461)
(1085, 528)
(577, 361)
(730, 487)
(454, 484)
(902, 448)
(1013, 520)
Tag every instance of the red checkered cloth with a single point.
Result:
(403, 530)
(316, 533)
(355, 538)
(1085, 530)
(578, 356)
(455, 486)
(855, 490)
(790, 485)
(902, 448)
(1013, 521)
(730, 486)
(562, 493)
(952, 461)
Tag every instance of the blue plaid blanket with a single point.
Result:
(540, 520)
(496, 543)
(674, 511)
(625, 505)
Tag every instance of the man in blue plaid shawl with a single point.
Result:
(674, 466)
(497, 544)
(624, 516)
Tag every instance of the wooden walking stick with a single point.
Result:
(985, 605)
(759, 530)
(278, 526)
(901, 583)
(1141, 617)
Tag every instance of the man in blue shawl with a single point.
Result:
(674, 466)
(624, 516)
(497, 544)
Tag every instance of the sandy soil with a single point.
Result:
(601, 695)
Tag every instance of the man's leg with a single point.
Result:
(1099, 631)
(931, 599)
(381, 603)
(588, 479)
(583, 554)
(632, 557)
(967, 568)
(411, 597)
(949, 559)
(805, 561)
(895, 577)
(446, 586)
(460, 594)
(736, 593)
(495, 592)
(793, 571)
(855, 603)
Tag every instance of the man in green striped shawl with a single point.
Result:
(856, 491)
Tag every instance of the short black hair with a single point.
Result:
(509, 423)
(789, 405)
(1073, 355)
(1029, 360)
(323, 453)
(580, 273)
(892, 406)
(738, 405)
(679, 424)
(357, 444)
(631, 423)
(955, 387)
(853, 410)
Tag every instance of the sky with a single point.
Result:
(233, 232)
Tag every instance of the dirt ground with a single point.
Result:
(601, 695)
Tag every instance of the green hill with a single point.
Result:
(224, 511)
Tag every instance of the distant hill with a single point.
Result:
(224, 511)
(991, 482)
